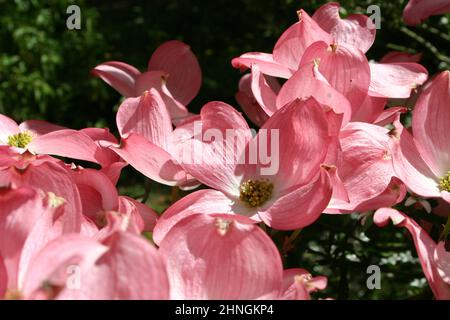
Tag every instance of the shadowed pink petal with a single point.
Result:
(293, 42)
(300, 129)
(58, 260)
(65, 143)
(339, 190)
(248, 103)
(39, 127)
(97, 191)
(346, 69)
(114, 170)
(300, 207)
(307, 82)
(103, 270)
(369, 110)
(88, 228)
(150, 160)
(264, 90)
(100, 134)
(356, 30)
(126, 252)
(210, 149)
(184, 74)
(397, 56)
(109, 160)
(51, 177)
(425, 246)
(418, 10)
(396, 80)
(7, 127)
(158, 80)
(119, 75)
(389, 115)
(409, 165)
(129, 221)
(442, 260)
(134, 207)
(46, 228)
(366, 169)
(394, 193)
(20, 209)
(149, 80)
(265, 62)
(431, 124)
(146, 116)
(202, 201)
(221, 257)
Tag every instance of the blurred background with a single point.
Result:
(45, 74)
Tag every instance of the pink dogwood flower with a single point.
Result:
(422, 160)
(288, 51)
(288, 191)
(434, 258)
(366, 170)
(40, 137)
(110, 161)
(356, 30)
(337, 49)
(219, 256)
(29, 219)
(99, 196)
(42, 172)
(147, 142)
(173, 70)
(121, 266)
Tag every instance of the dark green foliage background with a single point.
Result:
(45, 74)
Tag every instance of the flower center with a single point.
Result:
(223, 226)
(444, 183)
(55, 201)
(20, 140)
(255, 192)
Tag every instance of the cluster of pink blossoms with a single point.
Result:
(327, 144)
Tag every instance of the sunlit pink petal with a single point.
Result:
(356, 30)
(409, 165)
(431, 124)
(396, 80)
(184, 74)
(7, 127)
(306, 82)
(119, 75)
(221, 257)
(65, 143)
(296, 39)
(301, 207)
(200, 202)
(265, 62)
(346, 69)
